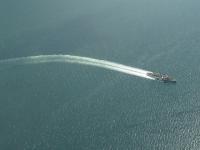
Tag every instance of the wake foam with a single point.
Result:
(78, 60)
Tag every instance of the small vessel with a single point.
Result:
(161, 77)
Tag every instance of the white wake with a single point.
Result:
(78, 60)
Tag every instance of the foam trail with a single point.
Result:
(77, 60)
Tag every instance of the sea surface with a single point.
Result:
(59, 106)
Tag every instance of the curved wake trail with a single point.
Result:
(78, 60)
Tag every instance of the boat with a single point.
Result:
(161, 77)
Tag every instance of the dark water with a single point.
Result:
(68, 106)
